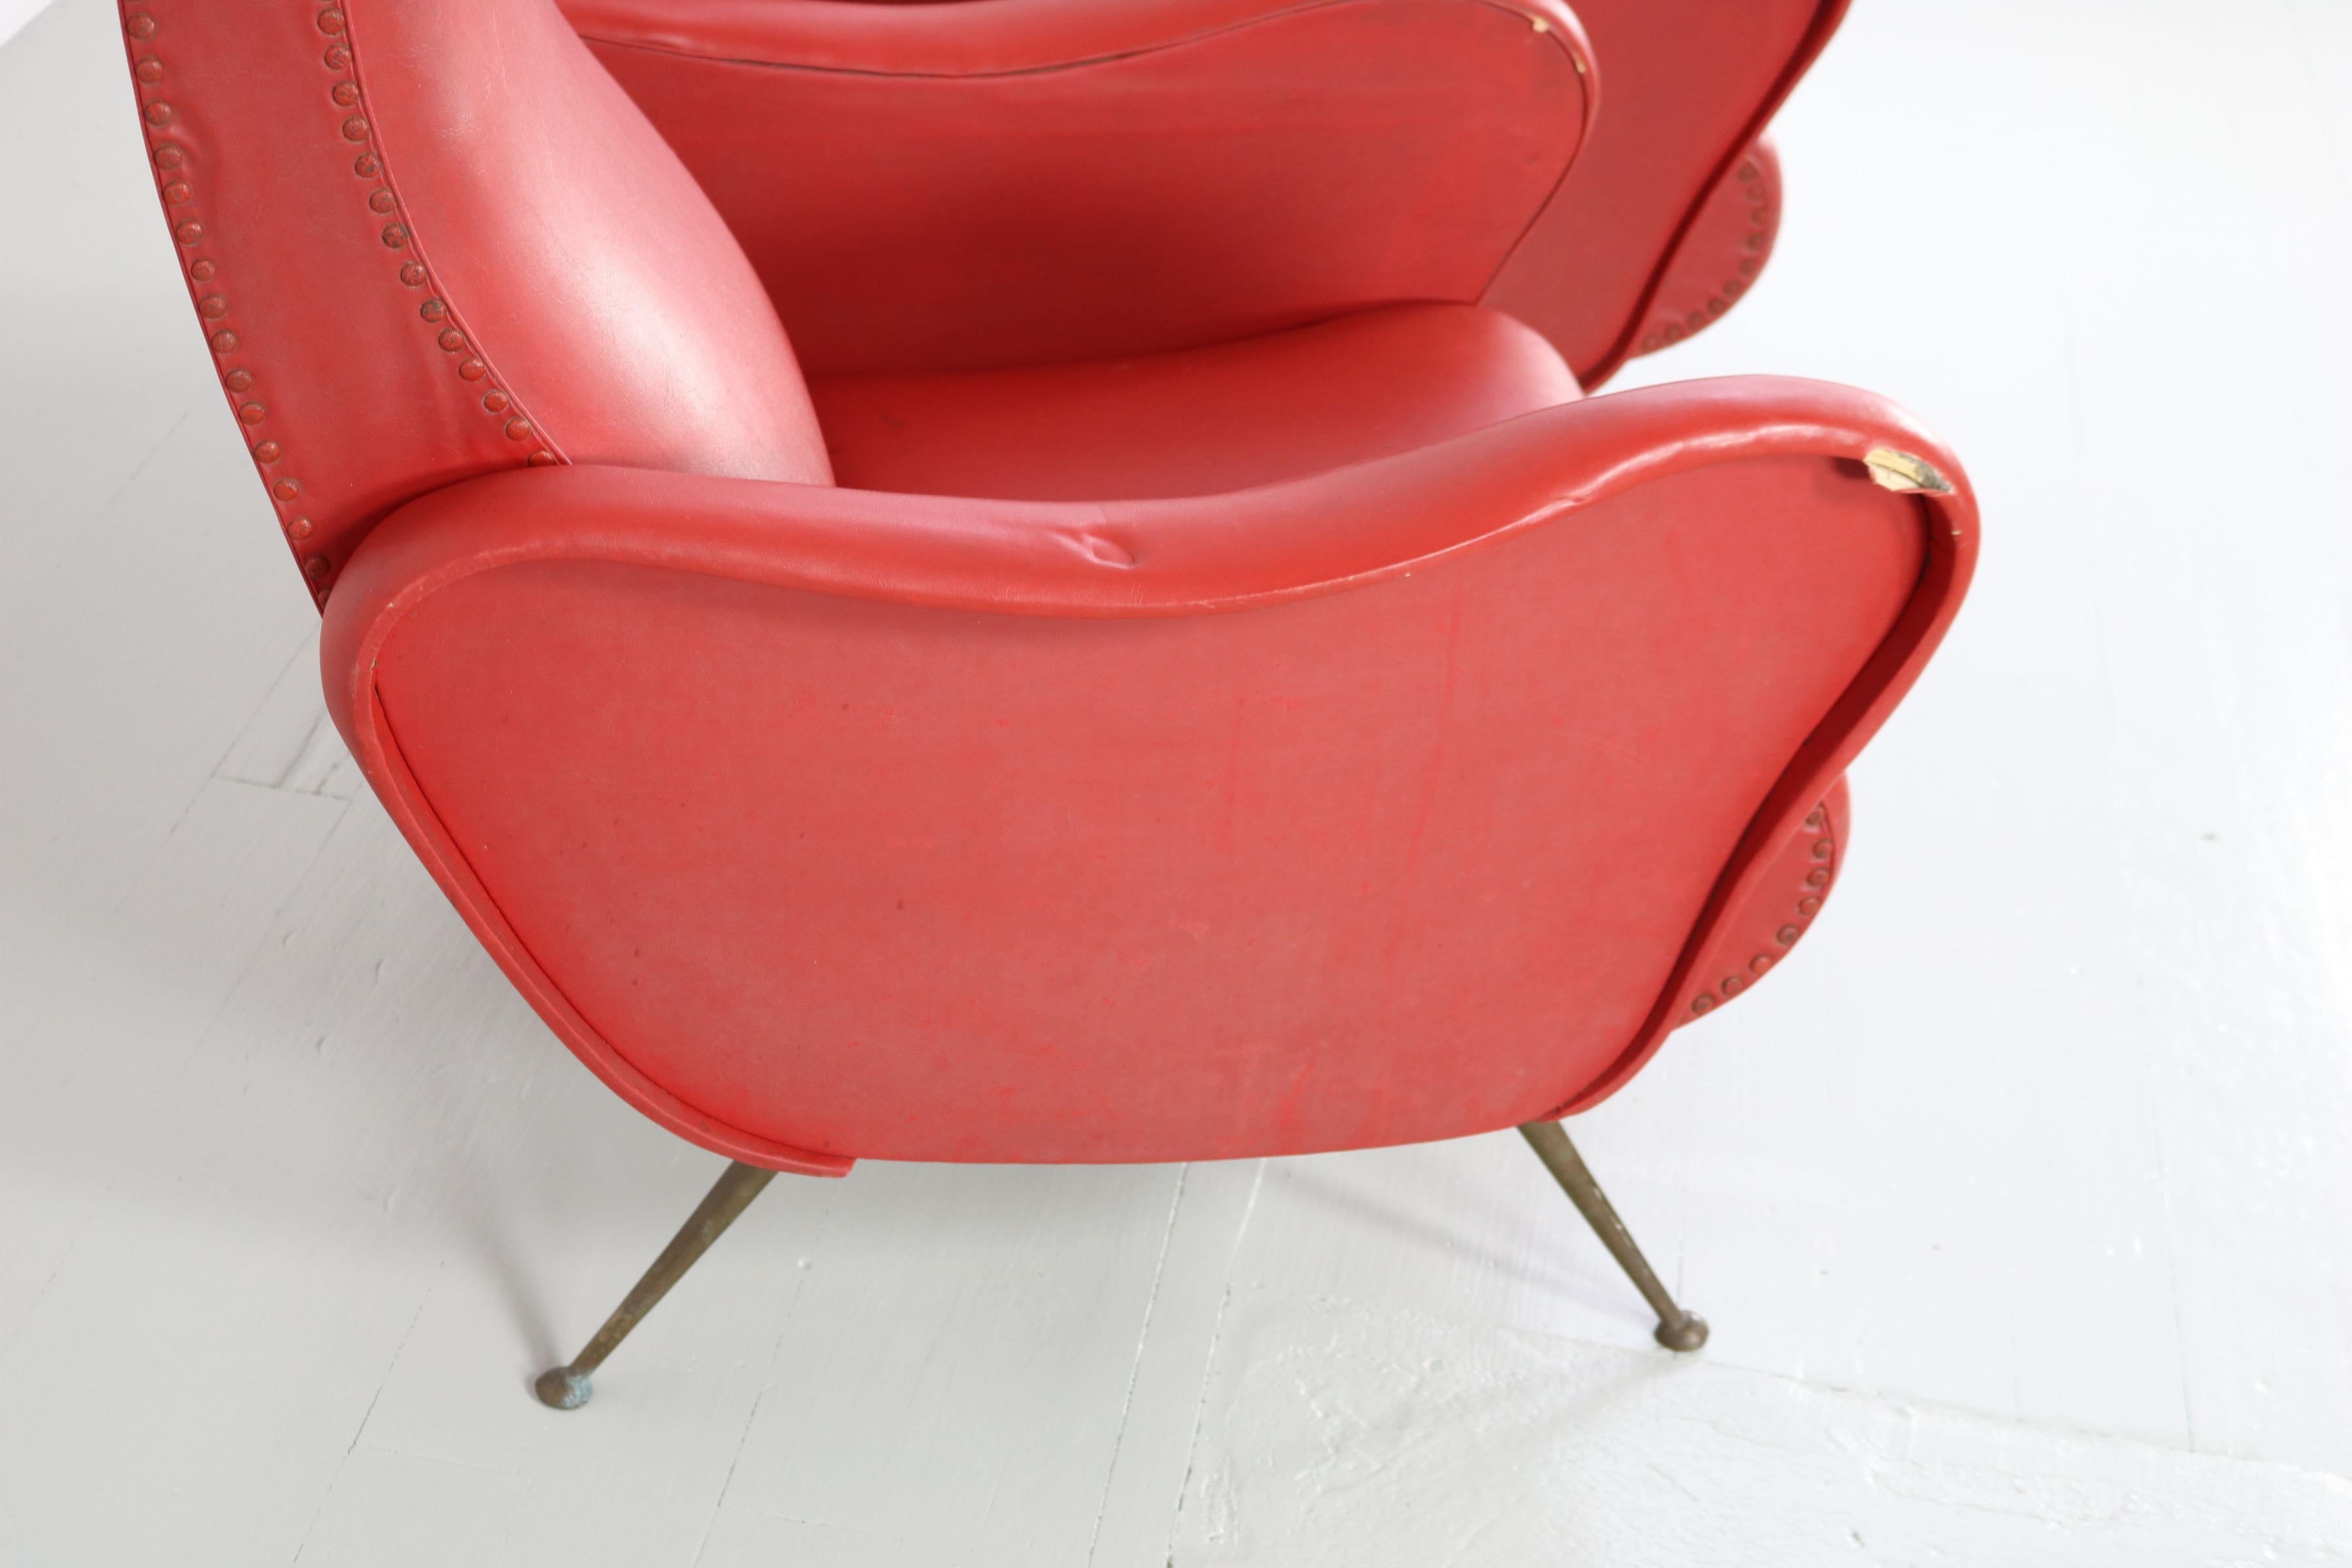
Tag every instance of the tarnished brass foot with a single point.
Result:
(1677, 1330)
(567, 1387)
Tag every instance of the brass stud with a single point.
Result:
(141, 25)
(167, 156)
(1704, 1002)
(331, 22)
(212, 306)
(1819, 877)
(1786, 936)
(1759, 964)
(365, 166)
(189, 233)
(412, 274)
(542, 458)
(381, 201)
(337, 57)
(177, 193)
(149, 70)
(1825, 849)
(394, 236)
(355, 129)
(451, 340)
(471, 369)
(496, 402)
(286, 490)
(1732, 986)
(224, 343)
(268, 452)
(253, 413)
(1815, 820)
(517, 430)
(433, 310)
(159, 115)
(299, 528)
(202, 272)
(1808, 906)
(239, 380)
(315, 567)
(346, 93)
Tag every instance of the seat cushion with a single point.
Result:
(1198, 422)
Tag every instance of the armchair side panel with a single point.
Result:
(990, 850)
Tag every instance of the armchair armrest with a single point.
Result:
(1391, 804)
(952, 187)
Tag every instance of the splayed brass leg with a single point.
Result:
(1677, 1330)
(567, 1387)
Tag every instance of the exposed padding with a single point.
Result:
(1194, 422)
(1022, 181)
(1373, 807)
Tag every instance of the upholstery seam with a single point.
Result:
(489, 380)
(174, 165)
(1662, 1020)
(1800, 60)
(513, 938)
(1106, 57)
(1820, 822)
(1763, 220)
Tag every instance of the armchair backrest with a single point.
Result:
(427, 239)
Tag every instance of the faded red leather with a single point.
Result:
(1033, 134)
(1330, 737)
(1722, 253)
(409, 274)
(1363, 808)
(1756, 936)
(1197, 421)
(1692, 85)
(953, 186)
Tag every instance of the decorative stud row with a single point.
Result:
(1809, 904)
(1750, 176)
(237, 380)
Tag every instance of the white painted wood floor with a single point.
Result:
(2021, 1204)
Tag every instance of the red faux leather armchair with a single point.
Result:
(1180, 679)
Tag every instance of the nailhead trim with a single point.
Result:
(177, 190)
(1751, 175)
(1808, 903)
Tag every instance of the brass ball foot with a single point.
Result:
(560, 1388)
(1682, 1335)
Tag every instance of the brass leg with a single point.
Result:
(1677, 1330)
(567, 1387)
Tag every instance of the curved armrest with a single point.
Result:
(951, 186)
(1347, 528)
(1391, 804)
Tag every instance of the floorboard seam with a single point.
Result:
(1135, 1364)
(253, 956)
(767, 1376)
(390, 1366)
(1209, 1364)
